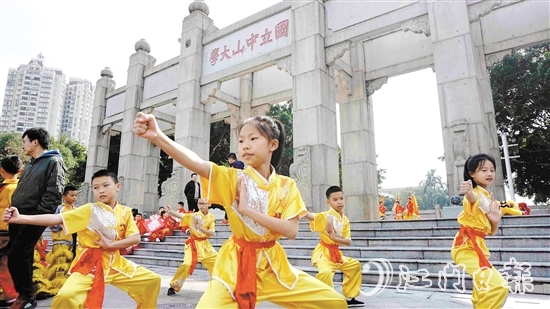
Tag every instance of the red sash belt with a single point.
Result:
(471, 233)
(334, 251)
(91, 263)
(194, 255)
(245, 291)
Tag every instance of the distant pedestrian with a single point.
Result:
(193, 193)
(233, 162)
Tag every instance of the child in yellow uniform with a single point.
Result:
(9, 169)
(103, 228)
(64, 245)
(262, 207)
(334, 229)
(480, 217)
(197, 247)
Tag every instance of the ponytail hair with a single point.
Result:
(272, 129)
(474, 163)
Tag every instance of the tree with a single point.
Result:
(12, 144)
(74, 155)
(521, 95)
(434, 191)
(283, 112)
(219, 142)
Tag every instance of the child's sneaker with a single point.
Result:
(23, 304)
(355, 303)
(170, 292)
(6, 303)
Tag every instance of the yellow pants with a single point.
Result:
(143, 287)
(183, 271)
(510, 211)
(352, 275)
(308, 293)
(490, 288)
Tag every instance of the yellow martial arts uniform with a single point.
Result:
(470, 252)
(198, 241)
(276, 280)
(115, 223)
(328, 258)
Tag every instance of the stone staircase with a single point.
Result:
(406, 254)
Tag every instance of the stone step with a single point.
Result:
(505, 230)
(390, 272)
(492, 241)
(421, 253)
(411, 224)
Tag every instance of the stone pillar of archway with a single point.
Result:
(359, 174)
(314, 108)
(240, 113)
(192, 128)
(134, 151)
(98, 148)
(467, 112)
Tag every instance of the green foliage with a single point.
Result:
(521, 94)
(283, 112)
(220, 133)
(434, 191)
(74, 155)
(12, 144)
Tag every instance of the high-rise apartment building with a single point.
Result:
(33, 98)
(77, 110)
(38, 96)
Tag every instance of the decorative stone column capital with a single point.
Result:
(417, 25)
(260, 110)
(285, 64)
(336, 51)
(373, 85)
(492, 59)
(208, 92)
(480, 9)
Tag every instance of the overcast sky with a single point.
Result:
(82, 37)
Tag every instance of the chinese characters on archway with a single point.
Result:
(243, 45)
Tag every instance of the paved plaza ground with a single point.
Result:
(191, 292)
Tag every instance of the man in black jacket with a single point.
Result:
(38, 192)
(192, 193)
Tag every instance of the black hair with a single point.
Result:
(39, 134)
(69, 188)
(11, 164)
(135, 211)
(193, 174)
(474, 163)
(272, 129)
(232, 156)
(103, 173)
(333, 189)
(161, 207)
(181, 203)
(162, 213)
(139, 214)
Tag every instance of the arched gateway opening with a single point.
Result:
(319, 54)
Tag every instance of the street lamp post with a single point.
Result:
(508, 167)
